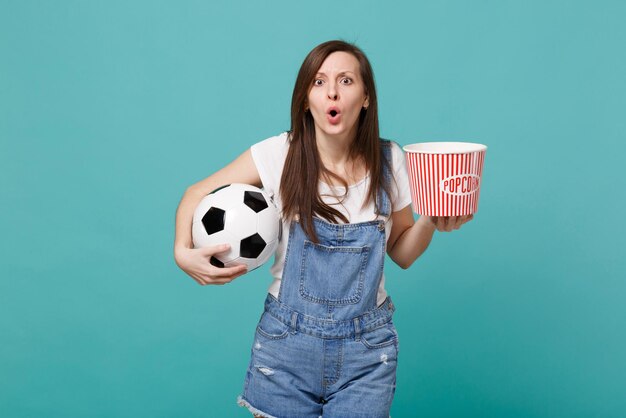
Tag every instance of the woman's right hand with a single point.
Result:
(196, 263)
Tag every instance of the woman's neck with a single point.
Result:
(335, 149)
(335, 156)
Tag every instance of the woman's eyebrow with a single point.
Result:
(343, 72)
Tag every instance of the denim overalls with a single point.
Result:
(324, 347)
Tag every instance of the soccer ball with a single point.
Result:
(243, 216)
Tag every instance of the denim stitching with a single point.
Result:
(270, 336)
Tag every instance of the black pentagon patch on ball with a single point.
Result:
(252, 246)
(217, 263)
(213, 220)
(255, 201)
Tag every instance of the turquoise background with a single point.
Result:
(109, 110)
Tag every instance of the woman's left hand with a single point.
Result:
(449, 223)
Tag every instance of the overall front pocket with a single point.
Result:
(332, 275)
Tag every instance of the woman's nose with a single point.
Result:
(332, 92)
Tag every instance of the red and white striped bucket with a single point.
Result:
(445, 177)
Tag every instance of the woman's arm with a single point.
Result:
(409, 239)
(195, 262)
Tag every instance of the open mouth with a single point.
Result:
(334, 115)
(333, 111)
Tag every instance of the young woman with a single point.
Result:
(325, 344)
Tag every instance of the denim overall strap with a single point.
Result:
(384, 204)
(335, 280)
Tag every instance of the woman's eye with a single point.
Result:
(346, 81)
(318, 82)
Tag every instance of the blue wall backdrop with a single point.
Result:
(109, 110)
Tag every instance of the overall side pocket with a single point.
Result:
(380, 337)
(271, 328)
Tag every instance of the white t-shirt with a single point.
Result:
(269, 157)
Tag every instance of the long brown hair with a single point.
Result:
(303, 167)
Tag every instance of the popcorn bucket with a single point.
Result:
(445, 177)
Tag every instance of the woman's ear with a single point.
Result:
(366, 103)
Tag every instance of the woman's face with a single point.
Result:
(336, 97)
